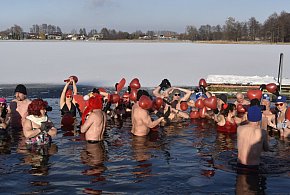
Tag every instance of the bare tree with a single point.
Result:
(16, 32)
(231, 29)
(270, 28)
(192, 33)
(254, 28)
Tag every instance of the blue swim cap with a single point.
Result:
(281, 98)
(254, 114)
(199, 94)
(266, 97)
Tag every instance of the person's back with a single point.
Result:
(94, 120)
(250, 144)
(95, 125)
(252, 140)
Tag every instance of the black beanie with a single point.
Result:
(142, 92)
(223, 97)
(21, 89)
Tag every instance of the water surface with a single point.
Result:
(184, 158)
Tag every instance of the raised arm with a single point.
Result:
(156, 92)
(62, 96)
(75, 89)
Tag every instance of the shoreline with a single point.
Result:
(223, 42)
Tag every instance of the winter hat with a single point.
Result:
(254, 114)
(3, 100)
(266, 97)
(223, 97)
(281, 98)
(21, 89)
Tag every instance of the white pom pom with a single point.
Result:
(86, 97)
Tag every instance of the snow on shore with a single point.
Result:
(244, 80)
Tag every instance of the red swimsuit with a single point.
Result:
(228, 127)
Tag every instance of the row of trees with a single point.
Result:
(275, 29)
(45, 28)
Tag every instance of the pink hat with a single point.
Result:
(3, 100)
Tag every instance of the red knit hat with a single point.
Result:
(95, 102)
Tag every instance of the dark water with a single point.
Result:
(183, 158)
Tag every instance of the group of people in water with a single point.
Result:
(253, 120)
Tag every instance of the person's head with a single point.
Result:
(254, 114)
(3, 102)
(255, 102)
(222, 99)
(175, 95)
(266, 100)
(228, 108)
(95, 102)
(240, 97)
(69, 94)
(37, 107)
(20, 92)
(142, 92)
(281, 103)
(125, 97)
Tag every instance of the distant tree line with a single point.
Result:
(275, 29)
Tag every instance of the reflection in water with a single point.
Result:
(38, 157)
(69, 126)
(94, 156)
(225, 141)
(141, 153)
(250, 184)
(5, 142)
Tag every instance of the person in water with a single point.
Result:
(251, 141)
(94, 120)
(175, 103)
(17, 109)
(141, 120)
(163, 89)
(227, 120)
(37, 127)
(267, 113)
(67, 102)
(278, 121)
(241, 99)
(4, 120)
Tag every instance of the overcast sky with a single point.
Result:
(132, 15)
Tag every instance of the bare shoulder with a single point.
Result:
(140, 110)
(243, 128)
(27, 101)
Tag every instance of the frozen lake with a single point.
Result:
(105, 63)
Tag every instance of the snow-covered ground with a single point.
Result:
(104, 63)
